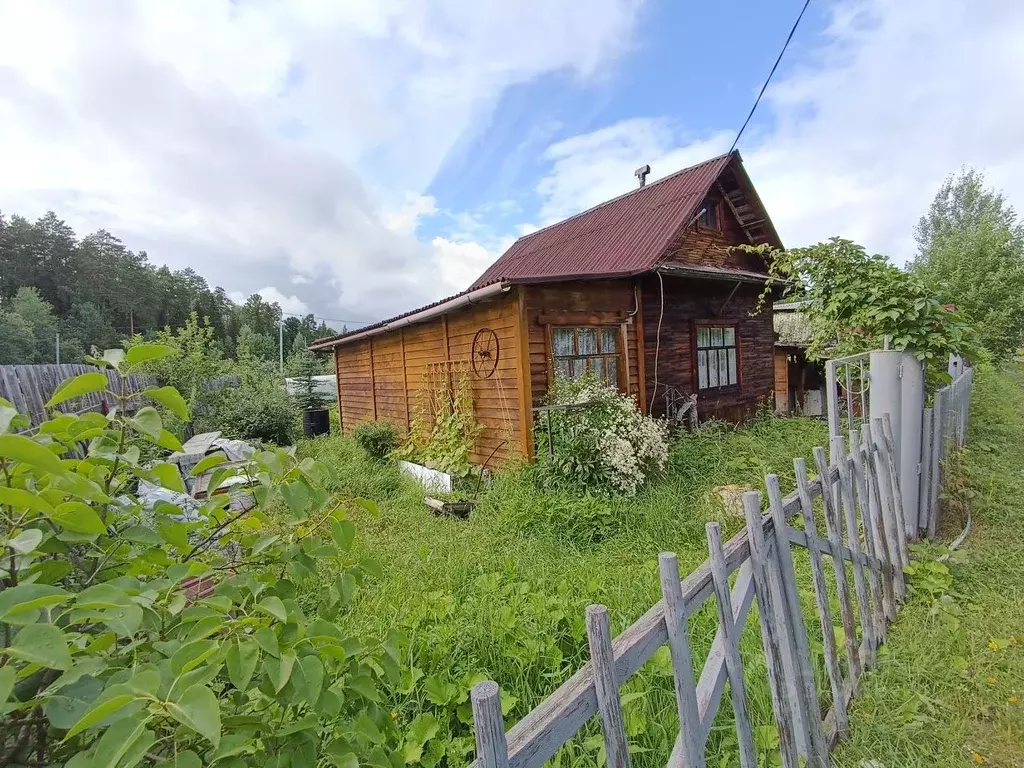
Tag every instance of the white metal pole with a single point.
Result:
(58, 348)
(280, 345)
(832, 401)
(908, 440)
(886, 396)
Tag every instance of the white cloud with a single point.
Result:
(260, 140)
(901, 94)
(291, 305)
(460, 262)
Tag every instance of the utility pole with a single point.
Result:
(58, 347)
(131, 322)
(280, 344)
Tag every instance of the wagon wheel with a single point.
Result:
(485, 353)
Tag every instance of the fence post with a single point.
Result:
(938, 435)
(609, 706)
(491, 747)
(908, 444)
(863, 496)
(880, 524)
(821, 596)
(733, 662)
(810, 730)
(770, 641)
(682, 661)
(832, 398)
(925, 485)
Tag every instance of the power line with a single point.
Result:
(770, 74)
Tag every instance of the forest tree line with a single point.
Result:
(95, 292)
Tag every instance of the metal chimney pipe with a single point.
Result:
(641, 174)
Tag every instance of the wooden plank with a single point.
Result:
(926, 473)
(821, 598)
(835, 537)
(491, 747)
(860, 585)
(606, 686)
(875, 572)
(682, 661)
(811, 738)
(771, 643)
(884, 482)
(938, 417)
(901, 520)
(733, 661)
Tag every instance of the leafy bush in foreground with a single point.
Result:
(605, 445)
(377, 438)
(179, 642)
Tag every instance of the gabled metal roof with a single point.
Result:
(624, 236)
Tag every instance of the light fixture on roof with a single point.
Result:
(641, 173)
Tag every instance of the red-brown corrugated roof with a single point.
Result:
(623, 236)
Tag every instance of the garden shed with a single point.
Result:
(648, 291)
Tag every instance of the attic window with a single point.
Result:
(708, 218)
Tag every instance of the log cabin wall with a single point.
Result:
(581, 303)
(381, 377)
(705, 247)
(688, 303)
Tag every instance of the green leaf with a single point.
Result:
(274, 607)
(198, 709)
(78, 517)
(364, 686)
(208, 463)
(21, 499)
(42, 644)
(7, 417)
(175, 534)
(367, 728)
(313, 671)
(267, 640)
(103, 709)
(122, 740)
(147, 421)
(124, 620)
(82, 384)
(343, 532)
(191, 655)
(170, 399)
(186, 759)
(26, 541)
(169, 476)
(6, 684)
(280, 670)
(296, 496)
(29, 597)
(167, 440)
(369, 505)
(242, 658)
(140, 353)
(21, 448)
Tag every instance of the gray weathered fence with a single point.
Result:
(864, 536)
(29, 387)
(945, 431)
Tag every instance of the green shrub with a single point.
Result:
(107, 657)
(259, 408)
(604, 446)
(377, 438)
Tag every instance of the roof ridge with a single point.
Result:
(611, 200)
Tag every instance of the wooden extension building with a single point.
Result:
(647, 290)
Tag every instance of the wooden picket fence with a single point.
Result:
(29, 387)
(864, 533)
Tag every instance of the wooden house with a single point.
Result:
(647, 290)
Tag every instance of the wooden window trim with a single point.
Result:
(621, 374)
(718, 219)
(728, 388)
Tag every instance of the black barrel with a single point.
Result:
(316, 421)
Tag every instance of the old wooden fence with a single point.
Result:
(29, 387)
(865, 537)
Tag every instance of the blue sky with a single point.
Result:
(357, 159)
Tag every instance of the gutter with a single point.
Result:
(465, 300)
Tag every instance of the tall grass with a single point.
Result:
(503, 593)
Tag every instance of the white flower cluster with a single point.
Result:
(631, 447)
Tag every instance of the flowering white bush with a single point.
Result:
(604, 444)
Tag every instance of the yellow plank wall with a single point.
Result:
(394, 390)
(581, 303)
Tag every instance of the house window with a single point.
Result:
(579, 350)
(708, 218)
(717, 352)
